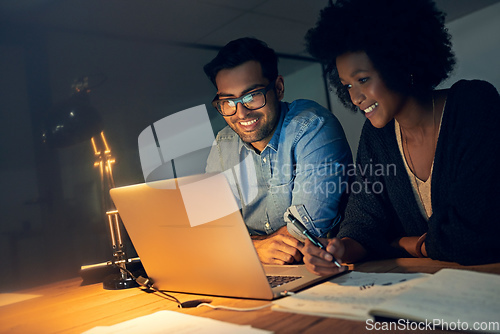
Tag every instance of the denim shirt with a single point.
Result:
(304, 163)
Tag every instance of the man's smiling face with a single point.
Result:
(255, 127)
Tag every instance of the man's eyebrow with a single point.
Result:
(248, 90)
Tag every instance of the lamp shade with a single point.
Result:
(71, 122)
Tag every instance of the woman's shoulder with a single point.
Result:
(476, 98)
(471, 84)
(471, 89)
(471, 109)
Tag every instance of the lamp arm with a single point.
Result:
(105, 163)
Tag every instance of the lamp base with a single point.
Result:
(117, 282)
(96, 273)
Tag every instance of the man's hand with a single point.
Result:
(278, 248)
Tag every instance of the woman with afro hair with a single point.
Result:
(439, 200)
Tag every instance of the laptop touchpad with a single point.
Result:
(285, 270)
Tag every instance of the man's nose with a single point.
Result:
(241, 110)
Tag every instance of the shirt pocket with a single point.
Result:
(280, 198)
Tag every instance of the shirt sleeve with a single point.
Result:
(214, 161)
(322, 159)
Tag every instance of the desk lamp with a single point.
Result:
(74, 121)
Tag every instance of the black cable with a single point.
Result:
(148, 284)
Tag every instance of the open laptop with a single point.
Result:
(191, 238)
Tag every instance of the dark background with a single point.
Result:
(151, 54)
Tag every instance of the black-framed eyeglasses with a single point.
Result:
(251, 101)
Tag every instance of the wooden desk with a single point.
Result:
(68, 307)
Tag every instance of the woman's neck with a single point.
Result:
(417, 119)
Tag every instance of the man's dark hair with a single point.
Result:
(406, 40)
(240, 51)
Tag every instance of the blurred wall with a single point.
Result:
(51, 219)
(51, 216)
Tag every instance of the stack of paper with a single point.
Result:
(174, 322)
(350, 296)
(450, 299)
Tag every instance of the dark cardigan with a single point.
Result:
(465, 224)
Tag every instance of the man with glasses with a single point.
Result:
(278, 157)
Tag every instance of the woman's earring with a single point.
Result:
(411, 79)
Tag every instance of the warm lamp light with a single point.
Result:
(74, 121)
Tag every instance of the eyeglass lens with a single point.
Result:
(251, 101)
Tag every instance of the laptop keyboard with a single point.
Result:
(276, 281)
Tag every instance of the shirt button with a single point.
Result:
(267, 225)
(264, 160)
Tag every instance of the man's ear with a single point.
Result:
(280, 88)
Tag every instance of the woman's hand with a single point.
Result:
(410, 244)
(320, 261)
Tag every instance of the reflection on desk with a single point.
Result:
(68, 307)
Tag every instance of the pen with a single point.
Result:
(310, 236)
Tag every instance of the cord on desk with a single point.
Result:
(229, 308)
(148, 284)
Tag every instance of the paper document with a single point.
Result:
(349, 296)
(174, 322)
(451, 296)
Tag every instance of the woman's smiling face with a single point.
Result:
(367, 89)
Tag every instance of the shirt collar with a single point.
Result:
(275, 139)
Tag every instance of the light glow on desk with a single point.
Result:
(11, 298)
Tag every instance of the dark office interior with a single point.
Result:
(143, 61)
